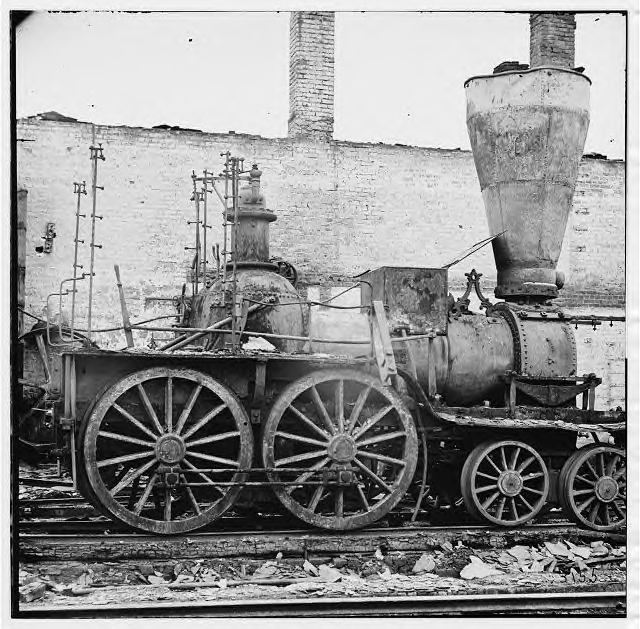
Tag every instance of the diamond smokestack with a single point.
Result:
(527, 131)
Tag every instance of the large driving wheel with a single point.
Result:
(504, 482)
(341, 448)
(165, 448)
(593, 487)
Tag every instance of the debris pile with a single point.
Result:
(449, 569)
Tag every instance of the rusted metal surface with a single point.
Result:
(342, 424)
(283, 316)
(155, 431)
(504, 482)
(466, 365)
(250, 240)
(593, 487)
(544, 347)
(527, 133)
(553, 392)
(416, 298)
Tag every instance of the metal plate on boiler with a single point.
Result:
(415, 297)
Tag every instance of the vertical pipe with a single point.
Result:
(235, 187)
(94, 181)
(196, 199)
(224, 228)
(204, 230)
(80, 189)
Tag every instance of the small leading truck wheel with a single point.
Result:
(504, 483)
(593, 487)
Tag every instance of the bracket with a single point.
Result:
(473, 283)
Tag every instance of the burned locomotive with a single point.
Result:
(433, 404)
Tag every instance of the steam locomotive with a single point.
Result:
(434, 407)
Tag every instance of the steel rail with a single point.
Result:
(521, 603)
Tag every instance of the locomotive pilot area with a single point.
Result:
(303, 376)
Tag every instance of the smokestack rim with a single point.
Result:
(530, 71)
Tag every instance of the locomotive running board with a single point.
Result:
(510, 422)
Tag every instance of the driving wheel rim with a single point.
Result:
(345, 445)
(172, 438)
(504, 482)
(594, 487)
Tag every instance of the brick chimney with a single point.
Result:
(552, 41)
(311, 61)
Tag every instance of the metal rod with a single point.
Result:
(186, 339)
(290, 337)
(79, 188)
(96, 154)
(196, 198)
(204, 231)
(224, 228)
(126, 324)
(234, 185)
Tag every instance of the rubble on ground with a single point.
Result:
(450, 570)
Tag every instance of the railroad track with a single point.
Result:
(519, 603)
(293, 543)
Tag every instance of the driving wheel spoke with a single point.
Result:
(300, 457)
(380, 457)
(323, 433)
(204, 477)
(186, 411)
(373, 476)
(339, 502)
(192, 498)
(167, 504)
(398, 434)
(220, 437)
(126, 438)
(145, 494)
(146, 402)
(124, 458)
(339, 404)
(168, 405)
(305, 476)
(322, 410)
(372, 421)
(205, 420)
(127, 480)
(213, 459)
(357, 409)
(134, 421)
(315, 499)
(514, 457)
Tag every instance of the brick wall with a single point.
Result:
(552, 39)
(342, 208)
(311, 63)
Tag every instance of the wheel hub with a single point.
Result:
(606, 489)
(170, 449)
(510, 483)
(342, 449)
